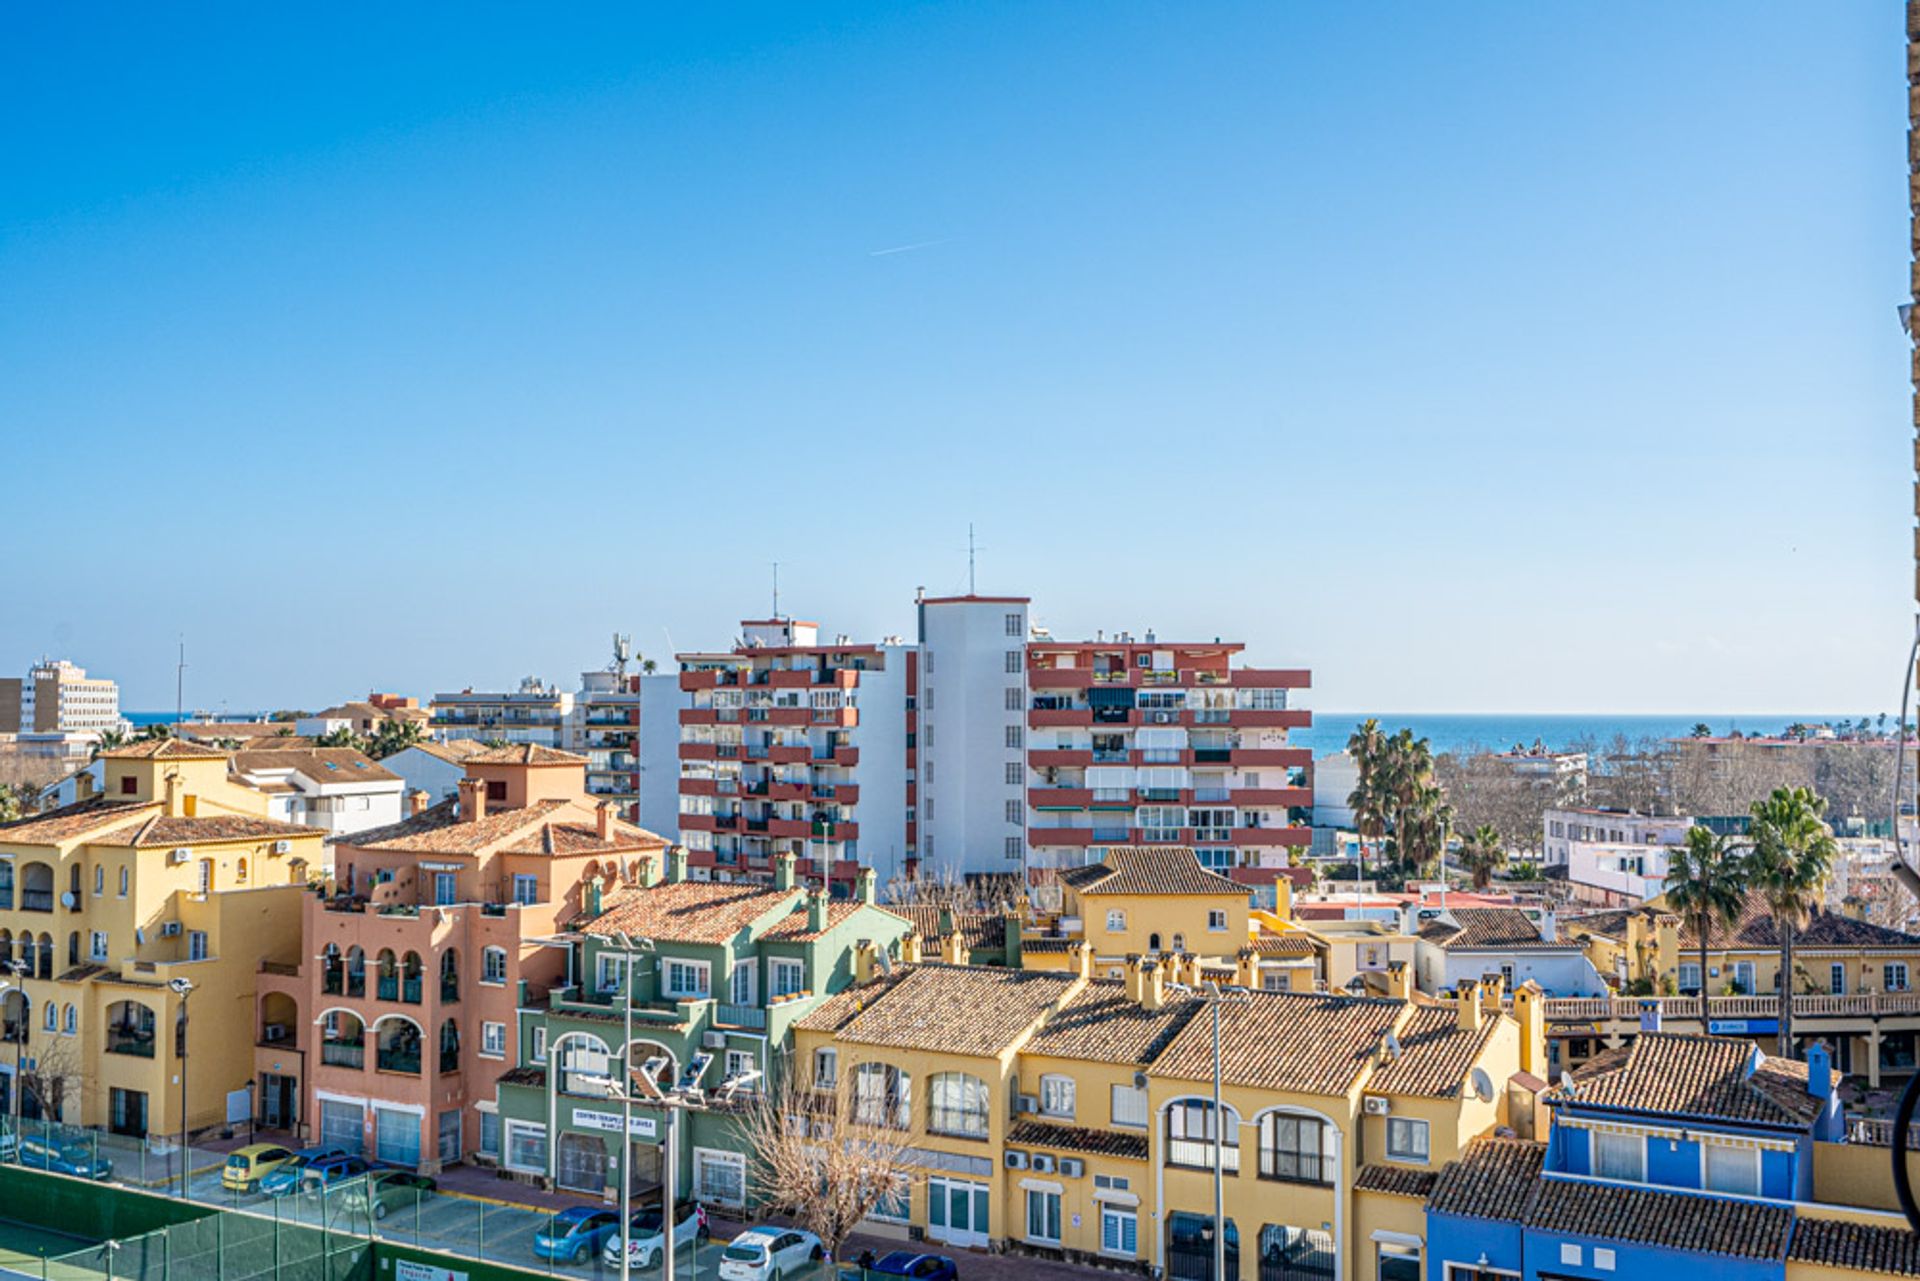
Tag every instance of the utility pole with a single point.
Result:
(180, 688)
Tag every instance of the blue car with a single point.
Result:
(906, 1263)
(285, 1177)
(574, 1234)
(317, 1175)
(63, 1158)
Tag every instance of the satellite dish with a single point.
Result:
(67, 900)
(1482, 1085)
(1566, 1082)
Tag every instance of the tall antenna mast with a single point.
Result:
(970, 550)
(776, 590)
(180, 687)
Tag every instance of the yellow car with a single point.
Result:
(245, 1166)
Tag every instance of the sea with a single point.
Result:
(1453, 731)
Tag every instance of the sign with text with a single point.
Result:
(408, 1270)
(639, 1127)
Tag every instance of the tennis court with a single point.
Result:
(30, 1250)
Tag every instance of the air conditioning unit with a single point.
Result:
(1042, 1163)
(1072, 1167)
(1016, 1160)
(169, 929)
(1376, 1105)
(1163, 718)
(714, 1040)
(1026, 1103)
(283, 847)
(274, 1032)
(1139, 1080)
(180, 855)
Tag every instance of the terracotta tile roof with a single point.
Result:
(1669, 1220)
(80, 973)
(1150, 869)
(797, 927)
(1101, 1024)
(526, 1075)
(1887, 1252)
(524, 754)
(321, 764)
(978, 930)
(1396, 1180)
(1077, 1138)
(1311, 1043)
(438, 830)
(1502, 929)
(690, 911)
(839, 1009)
(73, 820)
(163, 749)
(1492, 1181)
(1039, 946)
(582, 836)
(1695, 1076)
(1285, 945)
(1435, 1055)
(958, 1009)
(454, 751)
(1754, 931)
(166, 832)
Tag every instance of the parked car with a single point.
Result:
(644, 1243)
(575, 1233)
(246, 1166)
(319, 1175)
(64, 1158)
(389, 1190)
(285, 1177)
(905, 1263)
(769, 1253)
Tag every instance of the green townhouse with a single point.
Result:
(720, 972)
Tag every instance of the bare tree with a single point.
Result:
(56, 1074)
(1486, 791)
(828, 1158)
(1729, 777)
(943, 887)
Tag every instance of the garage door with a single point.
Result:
(396, 1137)
(582, 1166)
(342, 1124)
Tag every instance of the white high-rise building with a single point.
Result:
(58, 697)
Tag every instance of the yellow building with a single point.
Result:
(171, 877)
(1070, 1115)
(1144, 900)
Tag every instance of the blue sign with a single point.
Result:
(1735, 1027)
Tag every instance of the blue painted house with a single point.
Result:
(1671, 1156)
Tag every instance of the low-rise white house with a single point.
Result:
(1465, 944)
(433, 768)
(336, 789)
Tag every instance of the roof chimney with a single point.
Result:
(1131, 972)
(866, 886)
(676, 863)
(1153, 985)
(175, 798)
(783, 871)
(1080, 959)
(473, 800)
(910, 944)
(954, 950)
(1246, 968)
(417, 802)
(603, 820)
(817, 911)
(1399, 980)
(865, 956)
(1466, 1002)
(1649, 1016)
(1819, 1070)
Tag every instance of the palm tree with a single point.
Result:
(1792, 859)
(1367, 745)
(1482, 855)
(1706, 883)
(1421, 829)
(1702, 730)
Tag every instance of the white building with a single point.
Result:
(1563, 829)
(433, 768)
(1335, 776)
(969, 725)
(336, 789)
(536, 713)
(1462, 944)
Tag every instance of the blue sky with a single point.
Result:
(1503, 357)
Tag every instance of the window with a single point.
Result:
(526, 1147)
(1603, 1258)
(926, 698)
(1014, 698)
(205, 882)
(129, 786)
(1690, 976)
(1056, 1096)
(1620, 1156)
(444, 894)
(1894, 974)
(882, 1095)
(1116, 919)
(1013, 624)
(957, 1105)
(720, 1177)
(1732, 1169)
(1043, 1216)
(52, 1020)
(196, 945)
(70, 1020)
(739, 1063)
(1216, 921)
(609, 970)
(788, 975)
(1016, 660)
(497, 790)
(493, 1040)
(538, 1050)
(1130, 1107)
(1837, 979)
(688, 978)
(1570, 1254)
(493, 965)
(1014, 847)
(1016, 812)
(123, 882)
(98, 950)
(1119, 1232)
(1397, 1261)
(1016, 735)
(744, 983)
(1743, 978)
(99, 880)
(1406, 1139)
(526, 888)
(1294, 1149)
(826, 1068)
(1013, 774)
(1179, 942)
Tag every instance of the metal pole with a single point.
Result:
(1219, 1144)
(184, 1162)
(626, 1123)
(672, 1190)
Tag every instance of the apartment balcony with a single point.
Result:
(139, 1044)
(794, 828)
(789, 755)
(841, 793)
(699, 751)
(1266, 797)
(692, 682)
(835, 717)
(699, 823)
(622, 716)
(699, 716)
(1270, 836)
(848, 756)
(779, 791)
(787, 716)
(1045, 717)
(1256, 757)
(1060, 758)
(1059, 677)
(1078, 837)
(699, 787)
(1271, 718)
(1271, 678)
(1197, 1154)
(344, 1054)
(1059, 798)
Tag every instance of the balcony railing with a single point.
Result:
(740, 1016)
(125, 1041)
(346, 1054)
(1297, 1167)
(1197, 1154)
(958, 1123)
(406, 1061)
(36, 900)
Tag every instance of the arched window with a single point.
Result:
(73, 947)
(1179, 942)
(99, 879)
(397, 1045)
(240, 870)
(387, 975)
(1191, 1131)
(410, 978)
(450, 975)
(356, 971)
(882, 1095)
(46, 956)
(70, 1020)
(333, 973)
(343, 1039)
(450, 1046)
(73, 883)
(957, 1105)
(1295, 1148)
(123, 882)
(51, 1021)
(1153, 941)
(36, 888)
(129, 1028)
(493, 965)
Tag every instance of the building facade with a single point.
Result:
(536, 713)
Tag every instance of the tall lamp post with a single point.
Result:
(183, 988)
(1216, 996)
(631, 949)
(20, 971)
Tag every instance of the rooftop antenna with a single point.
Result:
(970, 550)
(622, 652)
(776, 591)
(180, 687)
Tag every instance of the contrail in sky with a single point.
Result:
(907, 249)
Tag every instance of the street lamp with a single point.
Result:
(631, 948)
(1216, 996)
(20, 970)
(182, 988)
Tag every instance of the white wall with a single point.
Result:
(881, 775)
(660, 702)
(1559, 973)
(1335, 775)
(422, 771)
(963, 652)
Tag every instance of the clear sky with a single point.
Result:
(1478, 357)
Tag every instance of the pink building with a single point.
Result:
(391, 1033)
